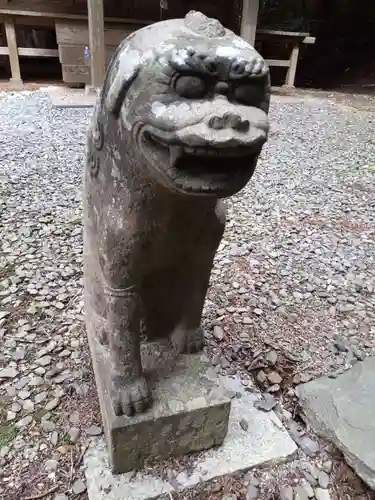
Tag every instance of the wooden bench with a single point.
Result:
(293, 39)
(72, 37)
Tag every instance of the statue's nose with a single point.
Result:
(222, 88)
(229, 120)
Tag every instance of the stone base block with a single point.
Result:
(264, 442)
(64, 97)
(190, 413)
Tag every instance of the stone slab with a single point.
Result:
(343, 411)
(190, 412)
(265, 441)
(65, 97)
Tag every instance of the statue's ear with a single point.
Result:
(127, 70)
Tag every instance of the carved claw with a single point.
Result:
(131, 397)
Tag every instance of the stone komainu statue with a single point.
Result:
(180, 123)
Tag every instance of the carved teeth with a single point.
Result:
(174, 153)
(219, 152)
(159, 141)
(201, 151)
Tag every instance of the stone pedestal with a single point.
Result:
(190, 413)
(265, 442)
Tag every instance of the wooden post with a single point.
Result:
(16, 80)
(249, 20)
(97, 47)
(291, 74)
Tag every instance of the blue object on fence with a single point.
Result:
(86, 55)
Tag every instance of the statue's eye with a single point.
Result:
(250, 94)
(191, 87)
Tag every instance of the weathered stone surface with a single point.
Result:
(286, 493)
(265, 441)
(180, 124)
(190, 413)
(342, 410)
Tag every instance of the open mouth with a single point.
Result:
(202, 170)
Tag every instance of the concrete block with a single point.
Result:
(265, 441)
(64, 97)
(190, 412)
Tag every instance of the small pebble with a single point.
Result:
(94, 430)
(218, 333)
(28, 406)
(271, 357)
(74, 418)
(54, 438)
(54, 403)
(78, 487)
(323, 479)
(19, 354)
(261, 377)
(39, 398)
(8, 373)
(21, 424)
(16, 408)
(327, 466)
(244, 424)
(274, 378)
(341, 345)
(267, 403)
(24, 395)
(74, 433)
(286, 493)
(47, 426)
(312, 480)
(215, 360)
(306, 486)
(321, 494)
(44, 361)
(60, 496)
(358, 354)
(51, 465)
(273, 388)
(11, 416)
(305, 377)
(300, 494)
(309, 446)
(253, 492)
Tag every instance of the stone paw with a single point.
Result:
(194, 341)
(130, 397)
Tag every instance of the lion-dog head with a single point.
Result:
(194, 99)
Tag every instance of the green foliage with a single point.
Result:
(7, 434)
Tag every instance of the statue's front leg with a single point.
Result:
(130, 392)
(199, 263)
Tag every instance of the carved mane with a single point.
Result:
(202, 25)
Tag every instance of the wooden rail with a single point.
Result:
(295, 39)
(59, 15)
(13, 17)
(31, 52)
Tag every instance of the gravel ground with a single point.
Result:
(292, 292)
